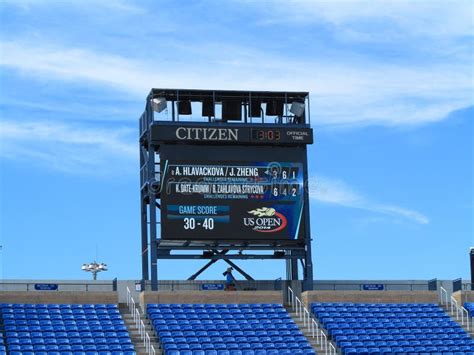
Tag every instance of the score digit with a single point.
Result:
(208, 223)
(189, 223)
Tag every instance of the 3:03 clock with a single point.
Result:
(266, 135)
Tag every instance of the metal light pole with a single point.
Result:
(94, 268)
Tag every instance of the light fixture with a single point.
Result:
(184, 107)
(297, 108)
(274, 108)
(256, 108)
(231, 110)
(208, 108)
(158, 104)
(94, 268)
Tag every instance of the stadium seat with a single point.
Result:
(390, 328)
(64, 329)
(226, 329)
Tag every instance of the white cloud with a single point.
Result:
(342, 92)
(337, 192)
(69, 148)
(422, 17)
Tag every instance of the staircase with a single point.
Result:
(469, 331)
(135, 335)
(317, 347)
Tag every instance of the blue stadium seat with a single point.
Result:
(63, 329)
(226, 329)
(390, 328)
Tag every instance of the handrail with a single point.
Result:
(310, 323)
(443, 292)
(150, 349)
(452, 305)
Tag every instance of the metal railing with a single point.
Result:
(137, 319)
(460, 313)
(443, 296)
(310, 323)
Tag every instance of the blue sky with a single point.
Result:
(391, 87)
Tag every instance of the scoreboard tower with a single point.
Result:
(223, 176)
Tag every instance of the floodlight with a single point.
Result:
(231, 110)
(184, 107)
(297, 108)
(208, 108)
(274, 108)
(256, 108)
(158, 104)
(94, 268)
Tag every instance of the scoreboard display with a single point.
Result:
(232, 200)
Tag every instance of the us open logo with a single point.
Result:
(265, 220)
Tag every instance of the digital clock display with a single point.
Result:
(266, 135)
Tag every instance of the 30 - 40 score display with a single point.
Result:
(231, 200)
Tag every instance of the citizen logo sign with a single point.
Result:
(207, 134)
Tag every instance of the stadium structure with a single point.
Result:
(223, 178)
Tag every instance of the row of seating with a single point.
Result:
(375, 305)
(403, 342)
(386, 317)
(65, 328)
(453, 350)
(224, 327)
(56, 306)
(74, 348)
(68, 341)
(9, 310)
(239, 346)
(215, 305)
(238, 352)
(71, 334)
(218, 315)
(231, 333)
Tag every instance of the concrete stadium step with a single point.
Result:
(137, 341)
(317, 347)
(469, 331)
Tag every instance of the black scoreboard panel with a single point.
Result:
(196, 133)
(232, 193)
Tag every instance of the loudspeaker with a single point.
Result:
(208, 108)
(158, 104)
(231, 110)
(274, 108)
(297, 108)
(184, 107)
(256, 108)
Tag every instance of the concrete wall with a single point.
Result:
(309, 297)
(58, 297)
(463, 296)
(211, 297)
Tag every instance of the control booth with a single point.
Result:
(223, 176)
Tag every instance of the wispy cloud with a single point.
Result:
(70, 148)
(343, 93)
(337, 192)
(423, 17)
